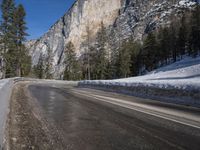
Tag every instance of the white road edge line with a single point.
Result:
(156, 115)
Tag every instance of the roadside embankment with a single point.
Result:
(187, 96)
(5, 94)
(26, 126)
(6, 91)
(176, 83)
(6, 87)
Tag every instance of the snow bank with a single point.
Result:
(3, 82)
(182, 79)
(6, 87)
(5, 93)
(184, 74)
(186, 3)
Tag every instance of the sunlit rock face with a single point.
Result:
(122, 18)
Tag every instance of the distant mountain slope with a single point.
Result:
(123, 19)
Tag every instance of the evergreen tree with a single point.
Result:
(113, 65)
(25, 64)
(125, 60)
(135, 61)
(72, 69)
(87, 53)
(163, 45)
(102, 59)
(48, 64)
(149, 52)
(194, 37)
(93, 56)
(8, 30)
(20, 24)
(182, 36)
(84, 62)
(13, 29)
(173, 41)
(39, 69)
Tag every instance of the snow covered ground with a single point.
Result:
(3, 83)
(5, 93)
(184, 74)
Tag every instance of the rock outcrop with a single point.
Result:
(122, 18)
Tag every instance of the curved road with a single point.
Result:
(89, 119)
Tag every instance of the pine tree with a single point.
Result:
(173, 41)
(114, 64)
(39, 69)
(48, 64)
(125, 60)
(72, 69)
(93, 56)
(87, 52)
(83, 61)
(20, 24)
(135, 61)
(149, 52)
(163, 45)
(182, 36)
(26, 63)
(102, 59)
(13, 29)
(8, 30)
(194, 36)
(7, 25)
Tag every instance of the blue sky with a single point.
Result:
(42, 14)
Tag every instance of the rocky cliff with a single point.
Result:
(122, 18)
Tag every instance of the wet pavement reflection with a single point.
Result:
(87, 125)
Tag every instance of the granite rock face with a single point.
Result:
(122, 18)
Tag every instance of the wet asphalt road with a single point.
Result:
(95, 120)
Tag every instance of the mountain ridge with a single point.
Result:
(122, 18)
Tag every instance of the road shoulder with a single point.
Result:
(25, 129)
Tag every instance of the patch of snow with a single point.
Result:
(184, 74)
(5, 93)
(3, 82)
(186, 3)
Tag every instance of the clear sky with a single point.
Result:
(42, 14)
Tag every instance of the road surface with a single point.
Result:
(86, 119)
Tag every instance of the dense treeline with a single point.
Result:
(160, 47)
(44, 68)
(171, 43)
(14, 56)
